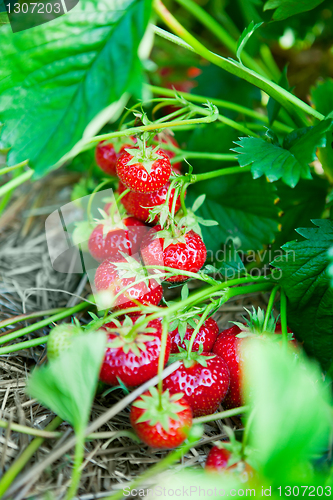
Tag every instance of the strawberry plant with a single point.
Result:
(196, 146)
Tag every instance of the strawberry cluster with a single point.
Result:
(131, 252)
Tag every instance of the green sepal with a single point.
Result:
(159, 409)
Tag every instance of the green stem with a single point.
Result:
(227, 121)
(24, 345)
(152, 127)
(23, 429)
(210, 291)
(5, 170)
(247, 431)
(283, 312)
(270, 307)
(17, 181)
(285, 98)
(220, 33)
(78, 459)
(25, 317)
(197, 328)
(221, 415)
(221, 104)
(44, 322)
(161, 359)
(219, 173)
(5, 200)
(25, 456)
(163, 464)
(182, 197)
(174, 201)
(92, 196)
(182, 155)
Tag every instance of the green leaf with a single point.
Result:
(292, 413)
(322, 99)
(298, 205)
(289, 163)
(57, 77)
(287, 8)
(244, 209)
(330, 266)
(306, 283)
(321, 96)
(232, 264)
(244, 38)
(67, 384)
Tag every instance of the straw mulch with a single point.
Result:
(27, 284)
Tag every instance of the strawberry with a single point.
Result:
(144, 169)
(203, 378)
(60, 339)
(161, 422)
(229, 345)
(107, 153)
(132, 355)
(111, 238)
(138, 204)
(206, 335)
(174, 247)
(115, 277)
(222, 459)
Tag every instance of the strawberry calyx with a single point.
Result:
(190, 358)
(131, 268)
(119, 142)
(145, 155)
(238, 453)
(129, 337)
(159, 408)
(110, 221)
(193, 221)
(171, 237)
(254, 325)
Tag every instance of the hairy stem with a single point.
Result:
(17, 181)
(78, 459)
(270, 306)
(283, 311)
(285, 98)
(281, 127)
(44, 322)
(161, 359)
(221, 415)
(222, 35)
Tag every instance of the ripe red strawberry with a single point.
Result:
(114, 276)
(107, 153)
(138, 204)
(110, 238)
(132, 355)
(161, 424)
(206, 336)
(144, 170)
(204, 380)
(229, 346)
(226, 346)
(177, 249)
(221, 459)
